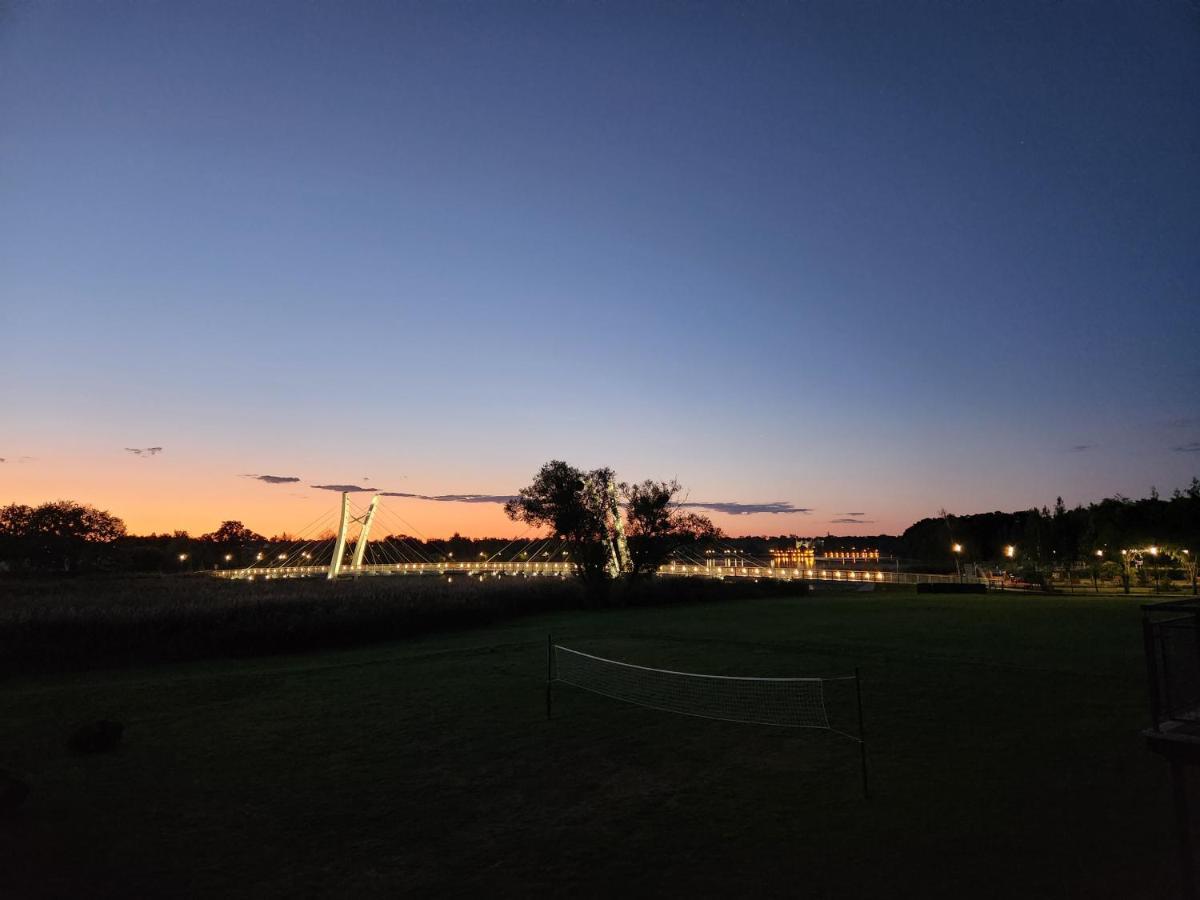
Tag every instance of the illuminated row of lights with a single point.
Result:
(756, 571)
(1010, 551)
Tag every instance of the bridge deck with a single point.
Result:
(850, 576)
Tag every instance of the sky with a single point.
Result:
(834, 266)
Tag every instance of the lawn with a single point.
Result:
(1003, 730)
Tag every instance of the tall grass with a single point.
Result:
(51, 624)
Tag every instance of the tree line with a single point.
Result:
(1117, 538)
(614, 529)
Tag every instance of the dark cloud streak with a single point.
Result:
(733, 508)
(452, 498)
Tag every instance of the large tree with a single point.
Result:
(656, 526)
(572, 504)
(234, 541)
(58, 536)
(605, 536)
(233, 534)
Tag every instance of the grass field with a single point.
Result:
(1003, 730)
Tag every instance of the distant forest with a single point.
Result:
(1062, 536)
(70, 537)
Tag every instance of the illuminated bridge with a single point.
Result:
(320, 552)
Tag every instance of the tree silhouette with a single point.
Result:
(655, 527)
(61, 536)
(562, 499)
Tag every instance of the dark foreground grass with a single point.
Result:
(1003, 730)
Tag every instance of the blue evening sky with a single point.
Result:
(877, 258)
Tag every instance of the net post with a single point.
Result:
(862, 736)
(549, 673)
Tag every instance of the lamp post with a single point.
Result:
(1010, 552)
(957, 548)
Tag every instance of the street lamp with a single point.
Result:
(957, 548)
(1010, 551)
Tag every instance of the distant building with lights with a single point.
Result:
(806, 554)
(802, 556)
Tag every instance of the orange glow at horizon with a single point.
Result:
(164, 494)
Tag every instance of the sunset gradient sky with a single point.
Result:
(861, 260)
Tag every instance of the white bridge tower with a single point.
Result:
(360, 545)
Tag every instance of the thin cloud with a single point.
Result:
(727, 507)
(1184, 422)
(854, 514)
(1190, 447)
(733, 508)
(452, 498)
(437, 498)
(1080, 448)
(274, 479)
(144, 451)
(851, 521)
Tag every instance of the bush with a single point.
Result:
(79, 623)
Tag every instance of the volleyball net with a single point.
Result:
(789, 702)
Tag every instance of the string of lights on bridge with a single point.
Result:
(314, 550)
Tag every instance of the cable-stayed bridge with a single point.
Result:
(320, 551)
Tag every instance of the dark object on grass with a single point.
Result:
(951, 588)
(96, 737)
(13, 791)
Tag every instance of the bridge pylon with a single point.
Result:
(337, 564)
(360, 548)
